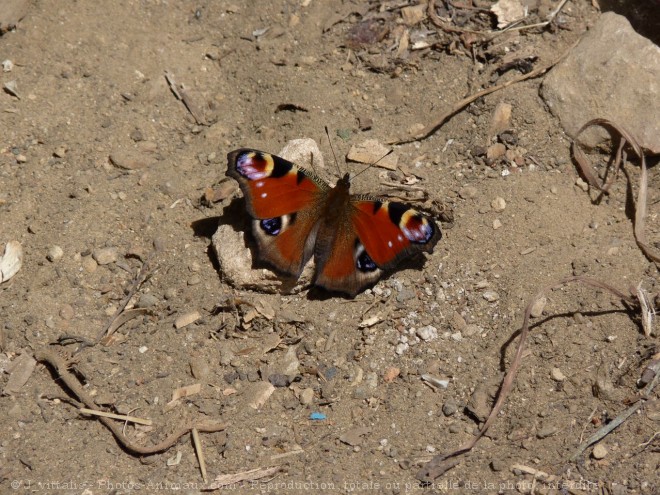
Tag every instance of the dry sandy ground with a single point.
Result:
(91, 81)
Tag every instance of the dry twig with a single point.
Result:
(59, 366)
(458, 106)
(443, 462)
(590, 175)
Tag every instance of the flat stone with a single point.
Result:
(130, 160)
(304, 152)
(105, 256)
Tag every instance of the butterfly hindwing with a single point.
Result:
(283, 201)
(374, 236)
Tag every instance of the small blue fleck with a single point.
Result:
(317, 416)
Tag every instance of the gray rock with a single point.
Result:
(105, 256)
(602, 78)
(450, 407)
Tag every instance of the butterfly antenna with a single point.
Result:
(327, 133)
(372, 164)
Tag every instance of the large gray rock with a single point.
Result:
(612, 73)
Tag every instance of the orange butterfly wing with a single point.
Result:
(283, 200)
(374, 236)
(296, 215)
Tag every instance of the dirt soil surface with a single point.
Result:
(102, 168)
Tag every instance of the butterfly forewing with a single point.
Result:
(391, 231)
(272, 185)
(283, 200)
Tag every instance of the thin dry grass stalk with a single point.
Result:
(59, 365)
(443, 462)
(460, 105)
(589, 173)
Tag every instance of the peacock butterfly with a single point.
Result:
(353, 238)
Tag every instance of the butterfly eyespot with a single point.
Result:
(271, 226)
(364, 263)
(254, 166)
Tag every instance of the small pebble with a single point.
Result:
(147, 301)
(491, 296)
(498, 204)
(404, 295)
(199, 368)
(539, 306)
(472, 329)
(307, 396)
(105, 256)
(454, 428)
(89, 265)
(599, 451)
(557, 375)
(497, 465)
(66, 312)
(497, 224)
(60, 151)
(55, 253)
(401, 348)
(170, 293)
(582, 184)
(194, 280)
(546, 431)
(427, 333)
(279, 380)
(495, 151)
(468, 192)
(450, 407)
(130, 160)
(186, 319)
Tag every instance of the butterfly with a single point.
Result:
(295, 214)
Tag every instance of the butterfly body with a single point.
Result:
(296, 215)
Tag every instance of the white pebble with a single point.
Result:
(557, 375)
(599, 451)
(427, 333)
(401, 348)
(498, 204)
(582, 184)
(539, 306)
(55, 253)
(491, 296)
